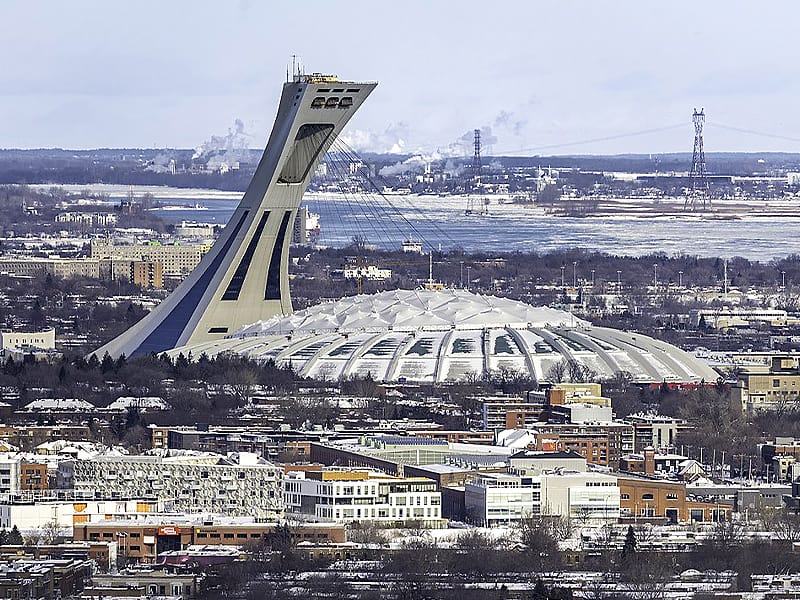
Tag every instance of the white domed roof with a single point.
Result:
(447, 335)
(406, 310)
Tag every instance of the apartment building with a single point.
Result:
(503, 412)
(237, 484)
(176, 260)
(599, 443)
(657, 431)
(58, 267)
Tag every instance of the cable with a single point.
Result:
(753, 132)
(591, 140)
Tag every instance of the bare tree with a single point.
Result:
(539, 536)
(557, 372)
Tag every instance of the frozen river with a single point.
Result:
(441, 221)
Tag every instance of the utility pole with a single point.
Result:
(562, 277)
(680, 279)
(461, 264)
(574, 274)
(655, 277)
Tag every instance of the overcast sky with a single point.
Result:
(544, 76)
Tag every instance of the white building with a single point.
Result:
(9, 474)
(582, 412)
(583, 497)
(140, 403)
(241, 484)
(499, 498)
(51, 405)
(588, 497)
(28, 513)
(363, 496)
(533, 462)
(45, 339)
(190, 229)
(723, 318)
(658, 431)
(371, 272)
(85, 219)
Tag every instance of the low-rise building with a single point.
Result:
(149, 583)
(650, 462)
(87, 220)
(58, 267)
(360, 495)
(649, 498)
(45, 579)
(145, 539)
(14, 340)
(584, 497)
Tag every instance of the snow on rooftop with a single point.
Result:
(60, 404)
(446, 335)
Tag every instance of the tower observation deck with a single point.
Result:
(244, 278)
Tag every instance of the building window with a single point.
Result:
(647, 496)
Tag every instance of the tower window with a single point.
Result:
(308, 143)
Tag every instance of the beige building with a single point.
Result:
(774, 388)
(174, 259)
(144, 273)
(59, 267)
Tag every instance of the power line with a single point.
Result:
(607, 138)
(776, 136)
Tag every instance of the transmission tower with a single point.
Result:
(698, 182)
(476, 159)
(476, 206)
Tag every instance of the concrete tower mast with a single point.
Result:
(244, 278)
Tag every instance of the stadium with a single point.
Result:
(435, 336)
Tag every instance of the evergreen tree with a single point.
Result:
(539, 590)
(629, 547)
(93, 361)
(107, 364)
(3, 537)
(15, 537)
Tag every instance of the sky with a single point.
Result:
(538, 77)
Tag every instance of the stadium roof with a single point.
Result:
(450, 335)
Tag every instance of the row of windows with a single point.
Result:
(648, 496)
